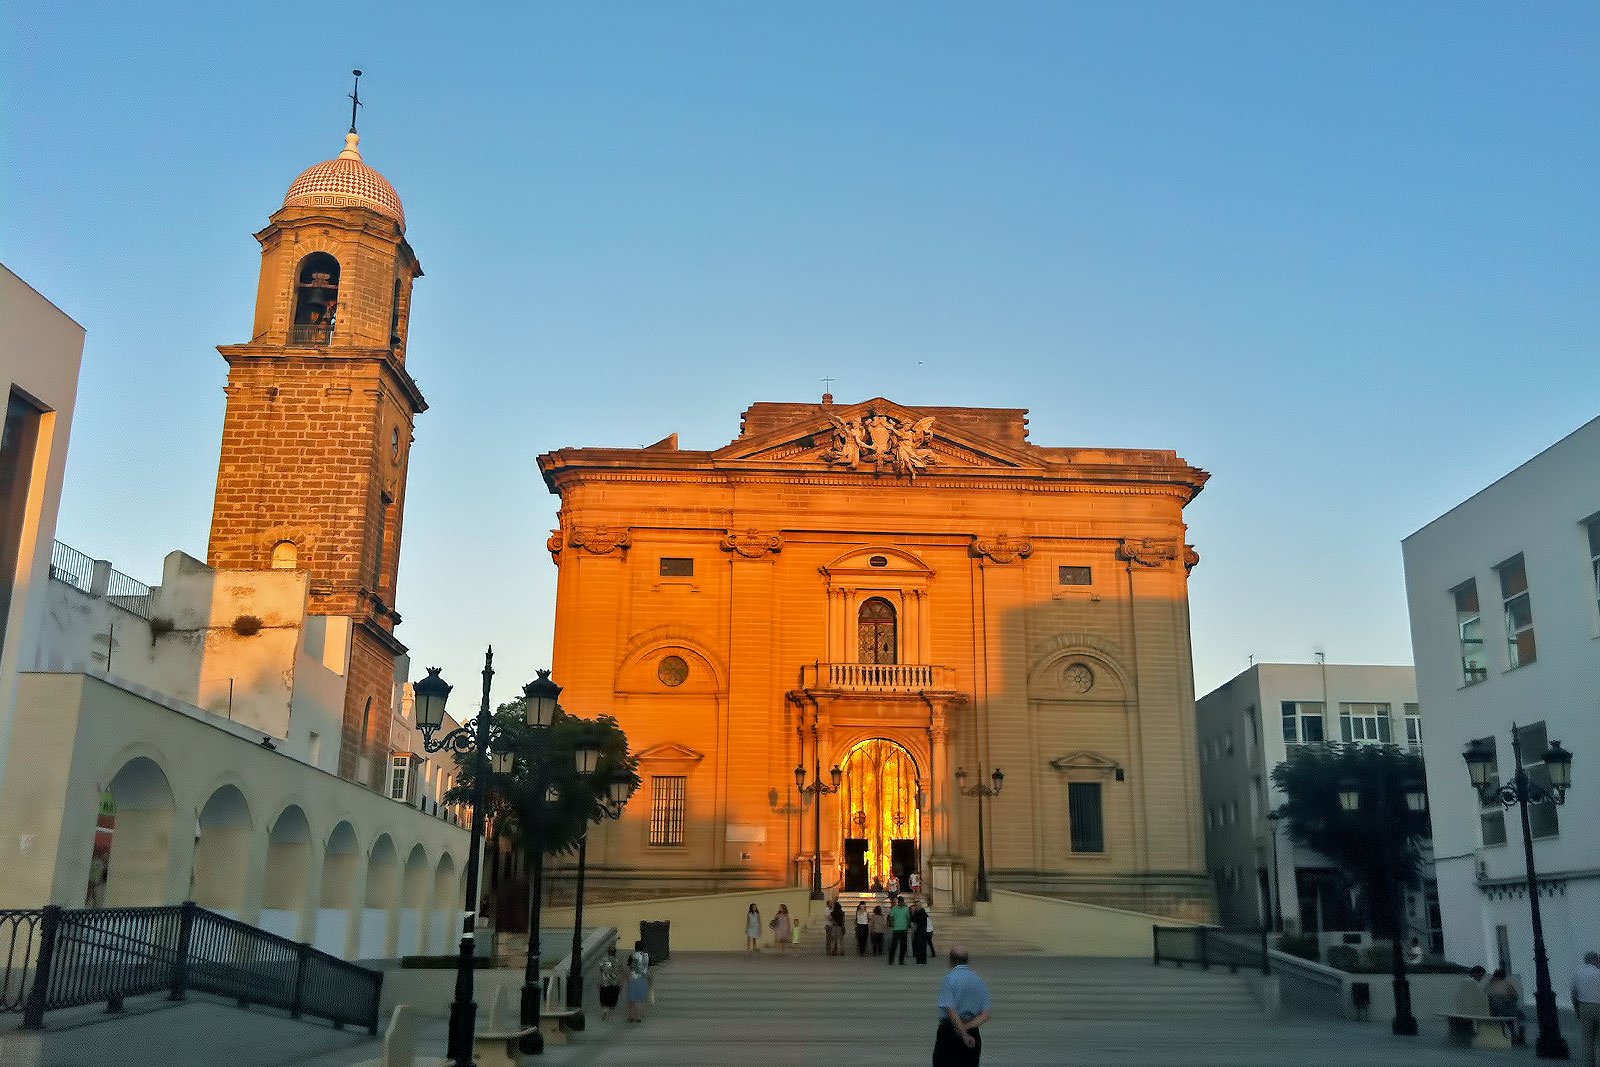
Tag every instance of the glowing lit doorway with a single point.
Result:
(882, 805)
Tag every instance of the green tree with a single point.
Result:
(1378, 846)
(545, 758)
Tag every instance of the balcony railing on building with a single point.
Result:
(317, 334)
(878, 677)
(98, 578)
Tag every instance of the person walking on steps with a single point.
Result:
(963, 1008)
(638, 982)
(1586, 1002)
(782, 929)
(919, 932)
(899, 928)
(877, 926)
(752, 929)
(863, 922)
(610, 982)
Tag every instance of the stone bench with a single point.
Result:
(1477, 1031)
(400, 1043)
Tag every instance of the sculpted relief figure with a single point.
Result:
(883, 441)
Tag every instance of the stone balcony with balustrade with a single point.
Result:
(878, 677)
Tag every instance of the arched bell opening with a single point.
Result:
(316, 300)
(881, 794)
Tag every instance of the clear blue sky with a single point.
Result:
(1342, 255)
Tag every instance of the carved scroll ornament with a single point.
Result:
(1148, 551)
(1191, 558)
(1002, 549)
(600, 540)
(878, 441)
(753, 544)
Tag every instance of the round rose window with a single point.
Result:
(1080, 678)
(673, 670)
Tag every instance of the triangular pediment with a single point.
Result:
(1085, 760)
(874, 436)
(671, 751)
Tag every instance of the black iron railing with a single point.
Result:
(310, 333)
(1211, 946)
(61, 958)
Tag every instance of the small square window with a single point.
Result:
(1076, 575)
(677, 567)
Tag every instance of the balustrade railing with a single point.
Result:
(879, 677)
(97, 578)
(57, 958)
(71, 567)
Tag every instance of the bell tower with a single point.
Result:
(318, 429)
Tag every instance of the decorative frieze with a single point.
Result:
(1002, 549)
(599, 540)
(1148, 551)
(752, 544)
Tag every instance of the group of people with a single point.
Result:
(900, 928)
(638, 976)
(1504, 1001)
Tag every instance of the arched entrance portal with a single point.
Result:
(881, 801)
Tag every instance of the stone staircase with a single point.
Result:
(977, 934)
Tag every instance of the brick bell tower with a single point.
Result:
(318, 430)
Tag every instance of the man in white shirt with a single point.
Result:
(1586, 1002)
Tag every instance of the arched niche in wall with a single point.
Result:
(896, 578)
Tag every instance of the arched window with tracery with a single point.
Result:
(316, 300)
(876, 637)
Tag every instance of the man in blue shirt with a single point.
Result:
(963, 1007)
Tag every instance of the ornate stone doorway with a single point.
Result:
(881, 801)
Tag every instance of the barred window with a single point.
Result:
(1075, 575)
(1083, 812)
(666, 809)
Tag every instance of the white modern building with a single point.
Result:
(41, 350)
(1504, 594)
(1248, 726)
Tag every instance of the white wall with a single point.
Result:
(1536, 510)
(1228, 777)
(41, 350)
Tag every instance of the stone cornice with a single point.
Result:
(383, 358)
(1053, 482)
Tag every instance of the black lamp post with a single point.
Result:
(618, 789)
(478, 737)
(1274, 817)
(980, 790)
(542, 698)
(1405, 1023)
(1482, 768)
(817, 789)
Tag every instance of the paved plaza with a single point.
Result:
(734, 1010)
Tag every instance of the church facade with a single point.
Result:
(907, 607)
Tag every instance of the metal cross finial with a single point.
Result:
(827, 384)
(355, 100)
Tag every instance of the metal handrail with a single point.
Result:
(62, 958)
(1208, 945)
(71, 567)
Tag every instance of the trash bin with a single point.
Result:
(657, 939)
(1361, 999)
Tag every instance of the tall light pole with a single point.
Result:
(476, 738)
(817, 790)
(542, 697)
(980, 790)
(1275, 920)
(619, 787)
(1405, 1023)
(1481, 767)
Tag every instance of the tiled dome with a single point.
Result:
(347, 180)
